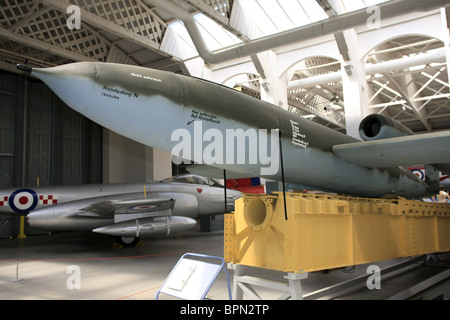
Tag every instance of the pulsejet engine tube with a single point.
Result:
(378, 126)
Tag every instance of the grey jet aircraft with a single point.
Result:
(125, 211)
(225, 129)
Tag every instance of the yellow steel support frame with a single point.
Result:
(326, 232)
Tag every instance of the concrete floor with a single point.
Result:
(107, 272)
(46, 268)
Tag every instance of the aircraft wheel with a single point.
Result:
(127, 241)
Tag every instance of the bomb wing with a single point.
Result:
(429, 148)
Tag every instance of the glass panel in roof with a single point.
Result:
(269, 17)
(296, 13)
(259, 17)
(273, 16)
(213, 34)
(369, 3)
(179, 29)
(353, 5)
(313, 10)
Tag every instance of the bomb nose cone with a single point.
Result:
(66, 71)
(72, 69)
(73, 82)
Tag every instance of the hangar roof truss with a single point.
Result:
(133, 32)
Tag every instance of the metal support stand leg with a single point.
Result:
(244, 283)
(295, 285)
(238, 271)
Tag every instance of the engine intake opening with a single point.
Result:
(378, 126)
(257, 214)
(372, 128)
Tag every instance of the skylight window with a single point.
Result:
(272, 16)
(268, 16)
(214, 35)
(353, 5)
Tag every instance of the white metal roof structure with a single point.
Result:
(398, 48)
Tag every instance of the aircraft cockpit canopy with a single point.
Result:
(194, 179)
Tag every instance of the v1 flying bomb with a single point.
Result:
(225, 129)
(125, 211)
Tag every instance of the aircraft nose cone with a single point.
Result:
(67, 70)
(71, 82)
(41, 219)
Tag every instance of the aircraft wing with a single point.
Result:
(109, 207)
(428, 148)
(215, 173)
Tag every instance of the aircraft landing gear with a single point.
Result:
(127, 242)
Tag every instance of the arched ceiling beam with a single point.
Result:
(330, 26)
(437, 56)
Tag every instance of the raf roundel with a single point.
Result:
(418, 173)
(23, 200)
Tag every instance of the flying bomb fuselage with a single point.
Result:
(163, 110)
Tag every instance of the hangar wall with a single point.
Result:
(125, 160)
(61, 146)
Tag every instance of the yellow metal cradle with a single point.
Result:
(326, 232)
